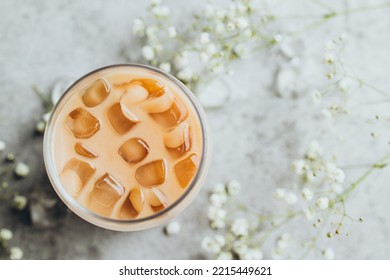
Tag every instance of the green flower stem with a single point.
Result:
(333, 15)
(378, 165)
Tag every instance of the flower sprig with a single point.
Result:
(216, 37)
(319, 195)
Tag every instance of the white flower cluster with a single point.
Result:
(216, 37)
(340, 82)
(237, 241)
(316, 194)
(15, 253)
(317, 177)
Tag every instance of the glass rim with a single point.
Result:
(71, 202)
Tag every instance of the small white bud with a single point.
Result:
(5, 234)
(2, 146)
(148, 52)
(15, 253)
(173, 228)
(21, 169)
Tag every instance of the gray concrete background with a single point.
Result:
(256, 136)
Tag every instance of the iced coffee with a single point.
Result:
(126, 143)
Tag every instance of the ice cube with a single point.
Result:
(134, 150)
(118, 120)
(156, 198)
(154, 87)
(173, 116)
(76, 174)
(82, 150)
(106, 192)
(179, 138)
(96, 93)
(160, 103)
(186, 169)
(137, 199)
(72, 182)
(82, 123)
(152, 173)
(127, 210)
(134, 94)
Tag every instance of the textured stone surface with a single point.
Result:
(42, 41)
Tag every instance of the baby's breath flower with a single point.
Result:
(217, 217)
(322, 203)
(229, 72)
(316, 96)
(151, 33)
(309, 214)
(165, 66)
(233, 187)
(211, 49)
(220, 14)
(279, 193)
(217, 67)
(241, 23)
(181, 60)
(330, 45)
(46, 116)
(299, 167)
(173, 228)
(204, 57)
(19, 202)
(15, 253)
(225, 255)
(204, 38)
(314, 151)
(334, 174)
(329, 58)
(148, 52)
(230, 26)
(161, 11)
(139, 27)
(281, 244)
(21, 169)
(240, 247)
(186, 74)
(220, 239)
(40, 126)
(328, 254)
(240, 227)
(158, 48)
(218, 224)
(5, 234)
(252, 254)
(10, 157)
(337, 188)
(218, 199)
(219, 188)
(344, 85)
(240, 50)
(290, 198)
(216, 213)
(172, 33)
(307, 194)
(276, 254)
(2, 146)
(211, 245)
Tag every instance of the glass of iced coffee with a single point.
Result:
(126, 147)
